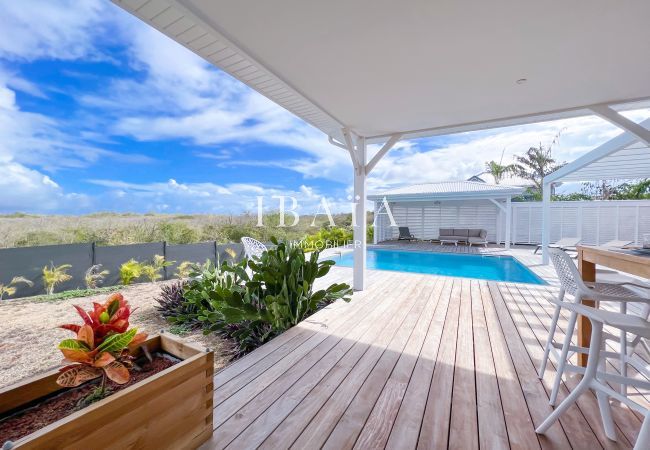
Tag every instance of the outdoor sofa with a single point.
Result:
(470, 236)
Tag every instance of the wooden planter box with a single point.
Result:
(171, 409)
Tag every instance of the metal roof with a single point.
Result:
(420, 68)
(623, 157)
(448, 190)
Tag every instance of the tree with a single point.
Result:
(54, 275)
(498, 170)
(538, 162)
(10, 288)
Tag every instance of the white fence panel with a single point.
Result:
(595, 222)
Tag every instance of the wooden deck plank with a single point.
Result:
(519, 424)
(230, 405)
(262, 414)
(391, 340)
(434, 432)
(412, 361)
(492, 432)
(534, 335)
(534, 392)
(406, 429)
(308, 406)
(463, 428)
(401, 350)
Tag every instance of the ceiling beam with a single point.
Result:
(382, 152)
(612, 116)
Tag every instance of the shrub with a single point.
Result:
(251, 310)
(94, 276)
(327, 238)
(152, 271)
(172, 304)
(54, 275)
(183, 270)
(130, 271)
(177, 233)
(10, 288)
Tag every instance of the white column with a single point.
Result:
(359, 271)
(508, 222)
(375, 222)
(546, 220)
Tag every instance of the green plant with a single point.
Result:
(130, 271)
(152, 271)
(94, 276)
(101, 346)
(54, 275)
(183, 270)
(171, 302)
(327, 238)
(278, 295)
(10, 288)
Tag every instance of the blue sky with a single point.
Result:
(100, 112)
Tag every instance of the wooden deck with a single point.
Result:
(414, 361)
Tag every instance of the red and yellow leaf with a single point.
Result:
(103, 359)
(71, 327)
(77, 375)
(117, 372)
(84, 315)
(87, 334)
(137, 340)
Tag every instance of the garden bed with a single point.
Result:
(169, 402)
(29, 335)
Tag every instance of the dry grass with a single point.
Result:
(29, 337)
(21, 230)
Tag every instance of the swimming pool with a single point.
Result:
(497, 268)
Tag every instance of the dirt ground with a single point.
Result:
(29, 335)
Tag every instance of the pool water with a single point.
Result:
(496, 268)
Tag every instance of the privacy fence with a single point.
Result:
(595, 222)
(29, 261)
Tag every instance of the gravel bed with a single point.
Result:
(29, 335)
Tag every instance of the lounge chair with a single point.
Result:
(405, 234)
(563, 244)
(252, 247)
(617, 244)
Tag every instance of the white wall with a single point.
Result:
(594, 222)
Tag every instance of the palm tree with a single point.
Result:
(10, 289)
(534, 165)
(498, 170)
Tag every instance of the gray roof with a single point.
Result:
(448, 190)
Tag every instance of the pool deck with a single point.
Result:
(412, 361)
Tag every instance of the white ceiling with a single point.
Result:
(386, 66)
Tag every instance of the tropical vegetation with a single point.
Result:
(55, 275)
(100, 347)
(252, 301)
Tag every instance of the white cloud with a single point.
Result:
(32, 29)
(175, 196)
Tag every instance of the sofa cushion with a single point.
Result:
(461, 232)
(446, 232)
(474, 232)
(483, 234)
(476, 240)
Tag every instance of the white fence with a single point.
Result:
(595, 222)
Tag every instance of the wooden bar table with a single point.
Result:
(623, 260)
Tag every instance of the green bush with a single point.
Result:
(130, 271)
(253, 301)
(327, 238)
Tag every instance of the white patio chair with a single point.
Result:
(562, 244)
(571, 283)
(596, 378)
(252, 247)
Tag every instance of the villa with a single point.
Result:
(459, 334)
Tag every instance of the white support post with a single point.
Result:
(376, 209)
(359, 271)
(508, 222)
(546, 221)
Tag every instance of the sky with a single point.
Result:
(100, 112)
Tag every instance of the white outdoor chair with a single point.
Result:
(571, 283)
(596, 378)
(252, 247)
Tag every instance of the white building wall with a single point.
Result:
(595, 222)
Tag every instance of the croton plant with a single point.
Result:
(101, 346)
